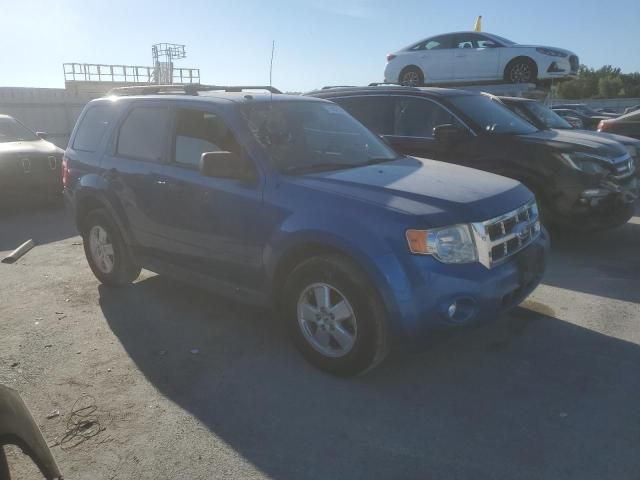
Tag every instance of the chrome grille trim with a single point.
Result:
(508, 233)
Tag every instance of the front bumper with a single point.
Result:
(606, 205)
(423, 289)
(557, 67)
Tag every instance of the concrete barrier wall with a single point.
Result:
(51, 110)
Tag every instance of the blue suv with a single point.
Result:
(289, 202)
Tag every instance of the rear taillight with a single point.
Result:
(603, 126)
(390, 57)
(65, 171)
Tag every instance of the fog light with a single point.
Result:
(451, 311)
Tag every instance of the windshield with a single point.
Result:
(491, 117)
(13, 131)
(546, 116)
(301, 136)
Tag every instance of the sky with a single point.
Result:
(317, 42)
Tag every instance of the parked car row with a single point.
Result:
(581, 180)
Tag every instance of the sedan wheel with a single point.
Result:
(521, 72)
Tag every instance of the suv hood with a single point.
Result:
(576, 141)
(30, 147)
(448, 194)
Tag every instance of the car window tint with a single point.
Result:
(416, 117)
(437, 43)
(376, 113)
(92, 128)
(198, 132)
(143, 134)
(468, 40)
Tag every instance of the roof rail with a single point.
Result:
(186, 89)
(380, 84)
(328, 87)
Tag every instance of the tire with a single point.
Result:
(112, 263)
(411, 76)
(363, 316)
(521, 70)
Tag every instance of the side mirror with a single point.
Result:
(449, 133)
(42, 135)
(224, 165)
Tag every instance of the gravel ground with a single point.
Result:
(187, 385)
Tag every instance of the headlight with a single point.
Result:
(551, 52)
(584, 162)
(447, 244)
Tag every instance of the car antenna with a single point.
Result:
(273, 49)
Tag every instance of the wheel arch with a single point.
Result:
(520, 58)
(314, 244)
(411, 66)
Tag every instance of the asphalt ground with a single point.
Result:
(190, 385)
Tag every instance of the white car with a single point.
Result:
(473, 56)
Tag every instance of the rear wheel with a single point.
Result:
(521, 70)
(412, 76)
(106, 252)
(334, 316)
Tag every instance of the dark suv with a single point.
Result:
(289, 201)
(579, 183)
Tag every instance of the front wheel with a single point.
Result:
(334, 316)
(521, 70)
(106, 251)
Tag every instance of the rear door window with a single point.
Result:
(376, 113)
(144, 133)
(417, 117)
(92, 128)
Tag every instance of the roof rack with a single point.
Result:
(329, 87)
(187, 89)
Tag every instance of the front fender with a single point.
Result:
(351, 237)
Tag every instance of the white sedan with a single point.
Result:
(477, 57)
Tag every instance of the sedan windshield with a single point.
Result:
(491, 117)
(13, 131)
(546, 116)
(303, 137)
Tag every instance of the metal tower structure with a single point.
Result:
(163, 56)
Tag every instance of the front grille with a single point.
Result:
(574, 62)
(499, 238)
(624, 166)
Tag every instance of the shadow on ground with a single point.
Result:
(42, 222)
(605, 263)
(529, 396)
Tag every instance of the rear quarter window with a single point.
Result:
(92, 128)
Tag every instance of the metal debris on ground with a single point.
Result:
(82, 423)
(19, 252)
(15, 364)
(54, 414)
